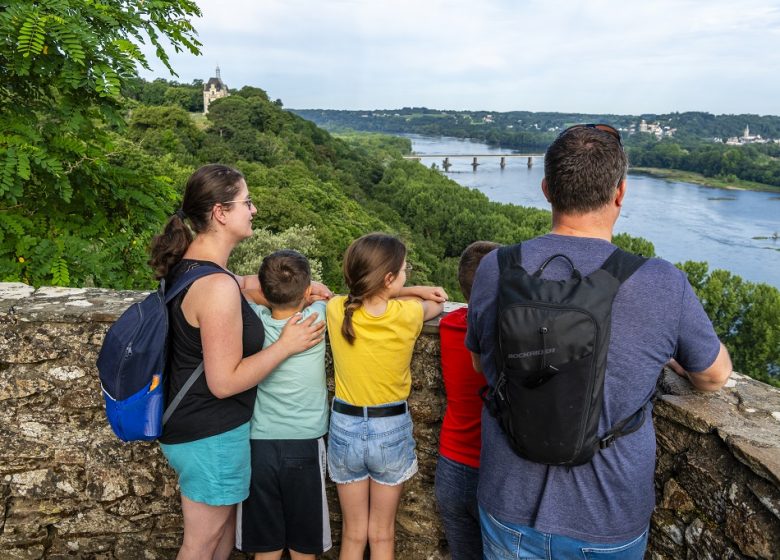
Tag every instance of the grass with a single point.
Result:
(699, 179)
(200, 120)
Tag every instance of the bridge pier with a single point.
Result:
(530, 161)
(474, 163)
(503, 162)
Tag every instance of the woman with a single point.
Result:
(206, 440)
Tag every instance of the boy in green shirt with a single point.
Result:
(287, 507)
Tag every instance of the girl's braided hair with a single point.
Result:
(367, 262)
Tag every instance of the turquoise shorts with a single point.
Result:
(215, 470)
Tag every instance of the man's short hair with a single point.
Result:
(469, 261)
(583, 167)
(284, 277)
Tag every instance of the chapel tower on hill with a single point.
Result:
(215, 88)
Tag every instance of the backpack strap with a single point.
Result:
(509, 255)
(182, 393)
(622, 264)
(188, 278)
(185, 280)
(624, 427)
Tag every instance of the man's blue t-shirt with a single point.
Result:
(655, 316)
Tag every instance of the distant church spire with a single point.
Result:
(218, 76)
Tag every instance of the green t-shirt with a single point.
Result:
(292, 402)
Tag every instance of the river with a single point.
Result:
(683, 221)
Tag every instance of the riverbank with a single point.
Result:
(699, 179)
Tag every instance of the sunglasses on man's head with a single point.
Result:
(611, 130)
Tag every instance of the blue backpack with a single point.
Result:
(132, 362)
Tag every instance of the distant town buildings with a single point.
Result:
(214, 89)
(746, 138)
(656, 129)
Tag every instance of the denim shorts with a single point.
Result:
(509, 540)
(214, 470)
(381, 449)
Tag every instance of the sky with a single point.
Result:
(589, 56)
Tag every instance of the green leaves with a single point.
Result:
(59, 271)
(73, 207)
(745, 316)
(31, 34)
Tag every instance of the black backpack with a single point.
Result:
(551, 356)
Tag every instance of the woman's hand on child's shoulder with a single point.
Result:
(301, 334)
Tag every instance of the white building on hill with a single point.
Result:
(214, 89)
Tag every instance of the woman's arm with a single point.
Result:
(250, 287)
(215, 302)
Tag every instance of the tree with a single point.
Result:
(745, 316)
(247, 256)
(63, 64)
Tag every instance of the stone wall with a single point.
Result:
(69, 488)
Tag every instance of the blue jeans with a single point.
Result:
(456, 495)
(508, 540)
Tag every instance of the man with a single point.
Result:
(532, 510)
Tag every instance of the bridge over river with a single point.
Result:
(446, 164)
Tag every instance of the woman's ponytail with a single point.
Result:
(169, 247)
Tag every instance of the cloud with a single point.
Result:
(590, 56)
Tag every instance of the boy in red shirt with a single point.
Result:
(457, 470)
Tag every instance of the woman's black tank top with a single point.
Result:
(200, 414)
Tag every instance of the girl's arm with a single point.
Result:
(433, 293)
(215, 305)
(431, 309)
(433, 298)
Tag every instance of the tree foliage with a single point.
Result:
(746, 317)
(70, 212)
(758, 163)
(247, 256)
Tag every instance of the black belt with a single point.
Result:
(369, 411)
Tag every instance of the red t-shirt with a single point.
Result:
(460, 438)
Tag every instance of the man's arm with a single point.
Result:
(476, 361)
(712, 378)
